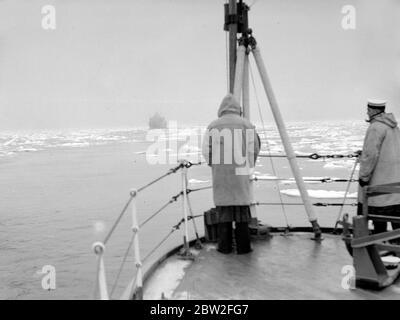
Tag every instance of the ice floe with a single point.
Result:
(320, 194)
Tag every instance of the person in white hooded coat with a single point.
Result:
(380, 163)
(231, 146)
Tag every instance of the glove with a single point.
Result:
(362, 183)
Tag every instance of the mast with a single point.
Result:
(232, 20)
(236, 21)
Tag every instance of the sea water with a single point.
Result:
(62, 190)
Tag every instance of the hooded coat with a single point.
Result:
(231, 146)
(380, 158)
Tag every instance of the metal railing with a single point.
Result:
(134, 289)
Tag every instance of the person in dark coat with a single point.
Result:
(231, 146)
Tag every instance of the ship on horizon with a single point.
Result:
(157, 121)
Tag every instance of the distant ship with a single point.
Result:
(157, 122)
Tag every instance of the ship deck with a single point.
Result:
(283, 267)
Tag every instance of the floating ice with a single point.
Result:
(340, 164)
(196, 181)
(320, 194)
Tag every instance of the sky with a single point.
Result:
(113, 63)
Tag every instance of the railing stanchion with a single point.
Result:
(186, 251)
(138, 289)
(101, 282)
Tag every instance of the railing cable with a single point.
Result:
(122, 264)
(173, 199)
(174, 228)
(322, 180)
(345, 196)
(170, 171)
(158, 245)
(317, 204)
(315, 156)
(118, 220)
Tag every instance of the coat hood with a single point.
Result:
(386, 118)
(229, 105)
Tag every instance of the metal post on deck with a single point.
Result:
(186, 254)
(286, 141)
(101, 282)
(138, 288)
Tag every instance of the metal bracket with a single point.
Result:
(240, 18)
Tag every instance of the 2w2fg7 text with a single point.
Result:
(221, 309)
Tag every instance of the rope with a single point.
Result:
(268, 146)
(118, 220)
(174, 228)
(199, 189)
(320, 204)
(172, 200)
(159, 210)
(314, 156)
(254, 2)
(122, 264)
(158, 245)
(190, 164)
(172, 170)
(322, 180)
(317, 204)
(345, 195)
(191, 211)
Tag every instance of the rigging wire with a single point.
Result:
(170, 171)
(118, 220)
(174, 228)
(317, 204)
(345, 194)
(122, 264)
(268, 146)
(315, 156)
(159, 244)
(254, 2)
(321, 180)
(159, 210)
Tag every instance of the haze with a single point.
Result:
(114, 63)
